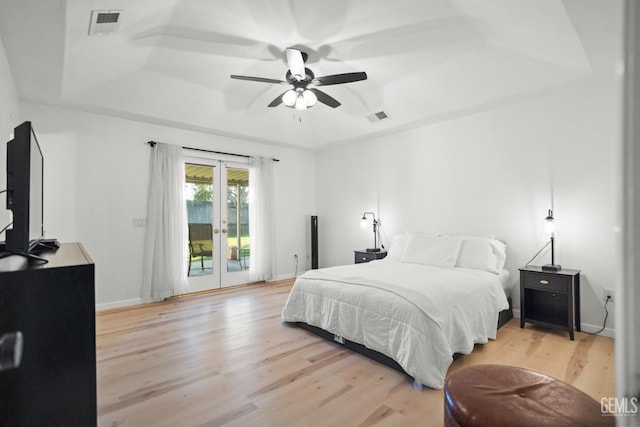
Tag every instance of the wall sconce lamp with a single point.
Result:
(550, 225)
(363, 223)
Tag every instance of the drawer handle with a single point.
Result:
(544, 282)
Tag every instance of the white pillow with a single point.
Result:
(397, 248)
(500, 249)
(439, 251)
(481, 253)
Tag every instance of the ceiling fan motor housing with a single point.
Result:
(308, 77)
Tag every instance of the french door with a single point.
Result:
(218, 253)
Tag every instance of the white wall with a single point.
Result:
(8, 120)
(494, 173)
(96, 172)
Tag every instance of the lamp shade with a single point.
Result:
(549, 224)
(550, 228)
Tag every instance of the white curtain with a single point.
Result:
(261, 219)
(164, 249)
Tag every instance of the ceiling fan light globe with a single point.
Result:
(310, 98)
(289, 98)
(300, 103)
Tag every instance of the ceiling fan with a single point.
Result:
(304, 94)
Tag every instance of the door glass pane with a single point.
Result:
(199, 195)
(238, 242)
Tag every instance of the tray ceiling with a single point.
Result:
(427, 60)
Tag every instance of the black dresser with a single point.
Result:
(53, 306)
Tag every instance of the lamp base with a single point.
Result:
(551, 267)
(373, 249)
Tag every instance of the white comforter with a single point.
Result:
(416, 314)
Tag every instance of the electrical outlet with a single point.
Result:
(608, 293)
(139, 222)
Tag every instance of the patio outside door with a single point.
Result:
(218, 253)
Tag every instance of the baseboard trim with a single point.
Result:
(607, 332)
(118, 304)
(586, 327)
(283, 277)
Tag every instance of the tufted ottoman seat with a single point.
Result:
(496, 395)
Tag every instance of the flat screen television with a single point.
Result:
(25, 173)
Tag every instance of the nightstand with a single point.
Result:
(364, 256)
(550, 298)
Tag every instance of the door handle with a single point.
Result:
(216, 231)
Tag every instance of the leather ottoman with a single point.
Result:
(497, 395)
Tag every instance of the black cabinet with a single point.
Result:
(550, 298)
(364, 256)
(53, 305)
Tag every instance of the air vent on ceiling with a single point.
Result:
(376, 117)
(105, 22)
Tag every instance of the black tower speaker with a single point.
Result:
(314, 242)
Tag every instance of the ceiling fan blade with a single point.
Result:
(259, 79)
(336, 79)
(296, 63)
(277, 101)
(325, 99)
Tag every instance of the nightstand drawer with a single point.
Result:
(547, 282)
(364, 256)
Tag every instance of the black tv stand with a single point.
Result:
(34, 254)
(29, 256)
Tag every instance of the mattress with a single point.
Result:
(416, 314)
(505, 282)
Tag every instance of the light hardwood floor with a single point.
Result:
(225, 358)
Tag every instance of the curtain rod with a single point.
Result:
(153, 143)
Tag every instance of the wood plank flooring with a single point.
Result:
(225, 358)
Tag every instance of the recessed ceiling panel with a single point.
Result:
(171, 60)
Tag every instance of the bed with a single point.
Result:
(433, 296)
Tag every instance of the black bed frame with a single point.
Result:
(503, 318)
